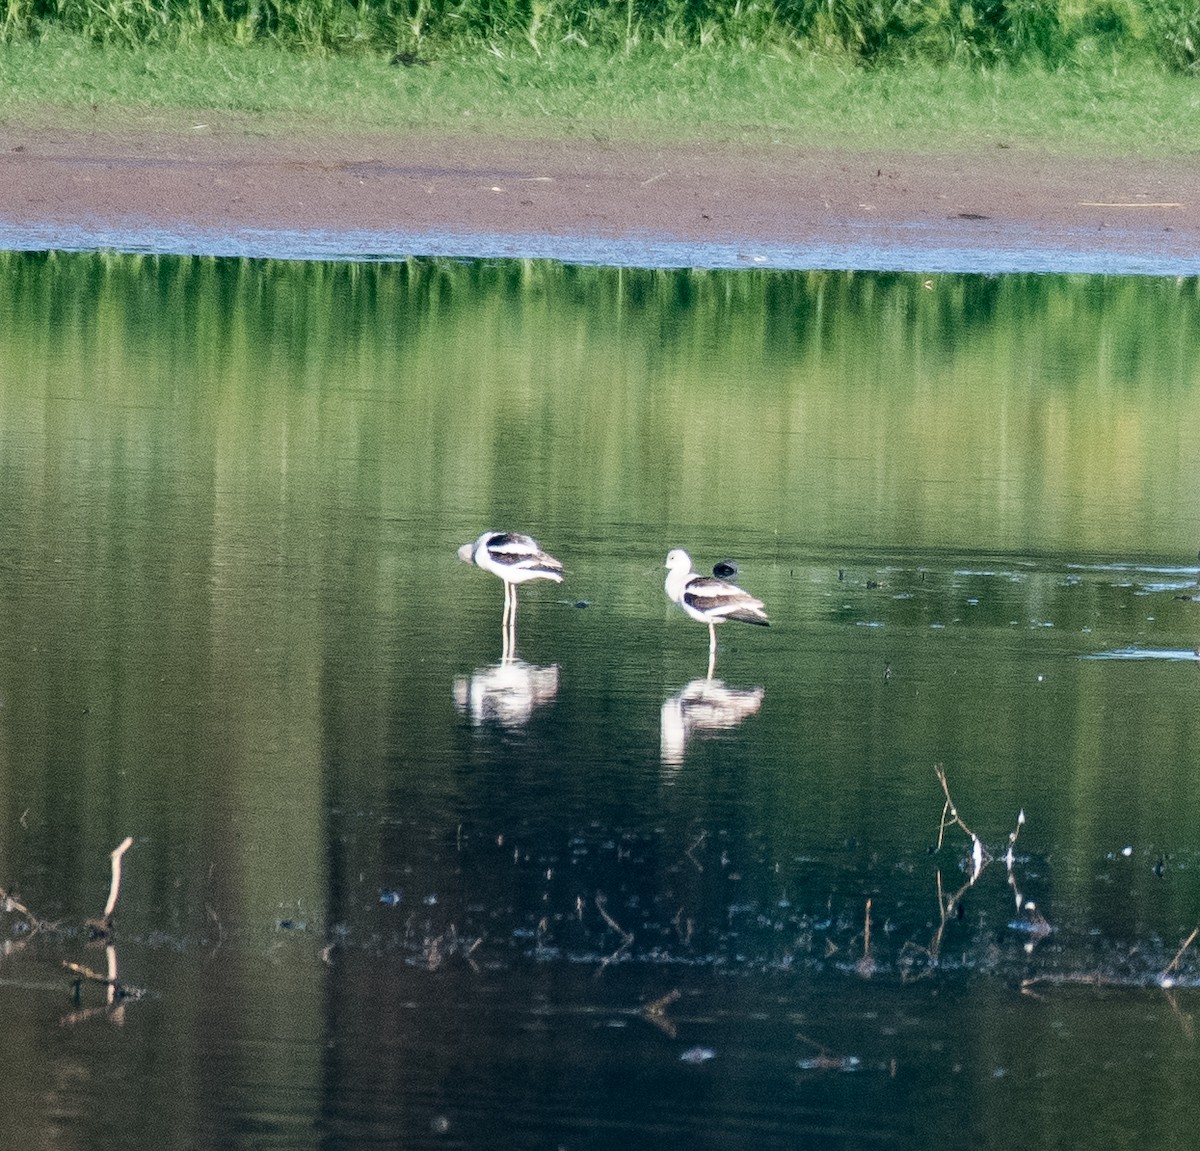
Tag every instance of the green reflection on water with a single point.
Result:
(233, 617)
(1025, 413)
(215, 467)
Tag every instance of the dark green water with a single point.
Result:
(385, 893)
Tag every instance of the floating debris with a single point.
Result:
(829, 1063)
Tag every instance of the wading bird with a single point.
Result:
(515, 558)
(709, 600)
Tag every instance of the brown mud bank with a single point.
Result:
(802, 207)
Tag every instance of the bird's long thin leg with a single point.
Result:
(712, 648)
(505, 638)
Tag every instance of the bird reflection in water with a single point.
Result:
(506, 693)
(704, 705)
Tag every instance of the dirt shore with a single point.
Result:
(221, 181)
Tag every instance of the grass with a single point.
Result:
(725, 94)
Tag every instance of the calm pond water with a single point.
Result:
(388, 890)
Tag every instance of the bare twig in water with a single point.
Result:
(626, 937)
(102, 928)
(824, 1059)
(915, 962)
(683, 928)
(866, 965)
(117, 992)
(1165, 977)
(919, 961)
(1065, 978)
(656, 1012)
(8, 903)
(601, 902)
(1185, 1020)
(86, 973)
(115, 888)
(950, 818)
(1010, 859)
(436, 949)
(659, 1006)
(1036, 924)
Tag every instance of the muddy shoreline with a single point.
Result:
(391, 195)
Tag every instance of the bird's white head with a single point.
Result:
(679, 560)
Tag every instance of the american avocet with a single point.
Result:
(515, 558)
(709, 600)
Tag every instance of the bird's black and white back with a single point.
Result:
(514, 557)
(708, 599)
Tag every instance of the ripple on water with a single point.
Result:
(1127, 653)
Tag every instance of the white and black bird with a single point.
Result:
(516, 559)
(709, 600)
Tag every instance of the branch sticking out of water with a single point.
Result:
(951, 818)
(1166, 979)
(866, 965)
(102, 928)
(626, 936)
(656, 1012)
(601, 902)
(115, 889)
(918, 961)
(1010, 859)
(8, 903)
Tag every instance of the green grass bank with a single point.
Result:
(755, 94)
(1053, 32)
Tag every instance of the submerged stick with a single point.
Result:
(1174, 964)
(88, 974)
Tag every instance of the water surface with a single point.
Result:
(388, 890)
